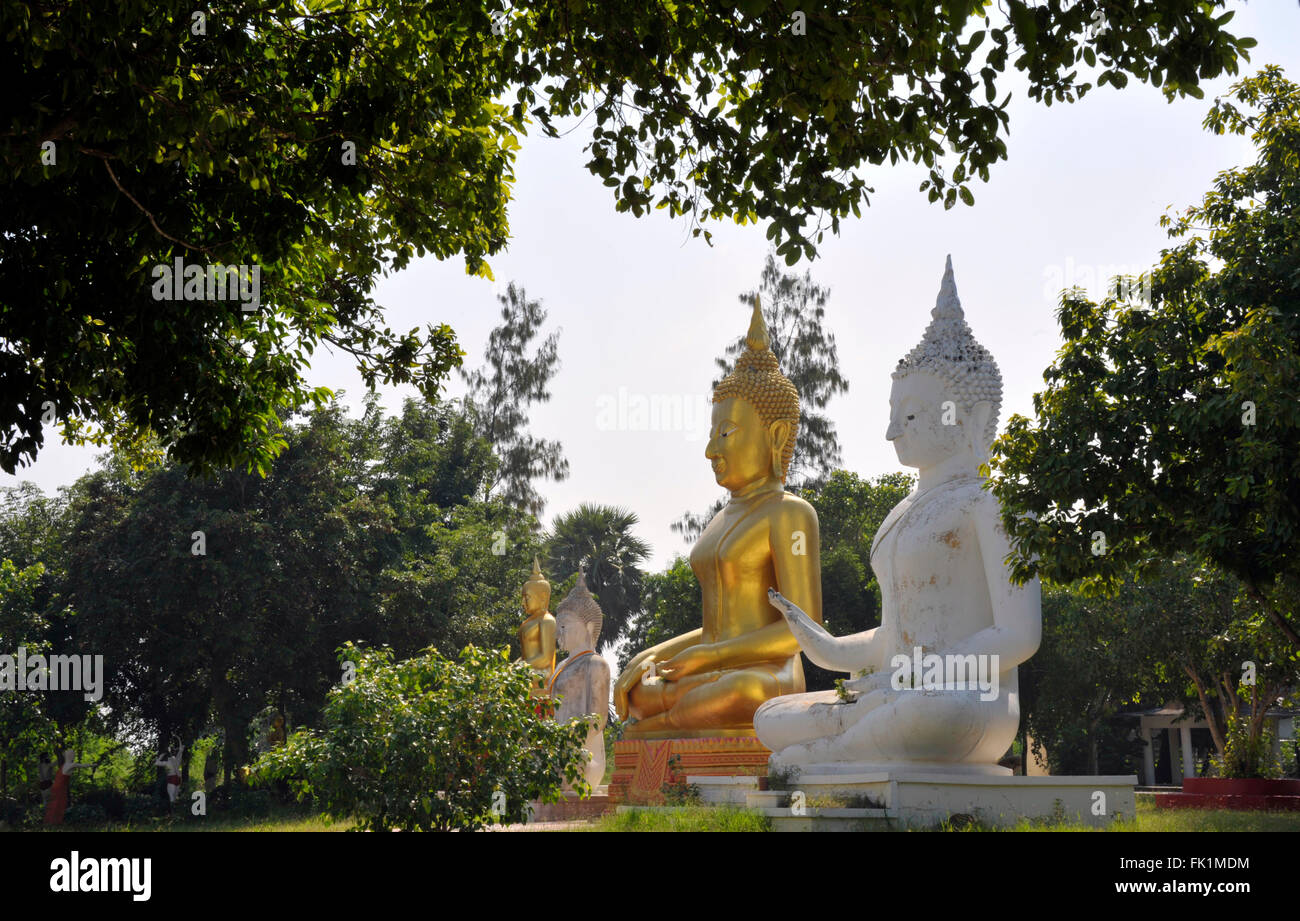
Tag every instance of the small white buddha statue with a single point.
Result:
(581, 681)
(946, 595)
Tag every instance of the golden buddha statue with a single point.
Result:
(710, 681)
(537, 632)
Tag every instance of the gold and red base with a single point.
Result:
(643, 767)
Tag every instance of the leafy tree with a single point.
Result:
(499, 396)
(327, 143)
(27, 727)
(1180, 631)
(600, 537)
(431, 744)
(1171, 427)
(224, 143)
(1087, 669)
(450, 564)
(462, 592)
(767, 112)
(363, 530)
(30, 525)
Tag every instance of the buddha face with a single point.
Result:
(917, 420)
(571, 633)
(740, 446)
(535, 599)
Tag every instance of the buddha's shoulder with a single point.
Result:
(791, 508)
(969, 497)
(585, 668)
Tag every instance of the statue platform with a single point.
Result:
(908, 798)
(643, 767)
(572, 808)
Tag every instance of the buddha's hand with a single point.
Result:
(702, 657)
(628, 680)
(801, 625)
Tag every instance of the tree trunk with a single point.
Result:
(1093, 766)
(236, 753)
(1216, 727)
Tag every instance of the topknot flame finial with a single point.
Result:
(757, 337)
(947, 306)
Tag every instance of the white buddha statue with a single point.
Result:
(934, 687)
(581, 681)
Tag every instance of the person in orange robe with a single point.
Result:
(58, 803)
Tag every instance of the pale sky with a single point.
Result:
(644, 309)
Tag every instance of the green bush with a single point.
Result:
(139, 806)
(431, 744)
(12, 812)
(85, 814)
(249, 803)
(111, 801)
(1244, 757)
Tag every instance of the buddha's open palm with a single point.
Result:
(801, 625)
(837, 653)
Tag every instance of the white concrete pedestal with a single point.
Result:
(911, 799)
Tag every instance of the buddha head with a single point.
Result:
(947, 391)
(755, 416)
(578, 618)
(537, 592)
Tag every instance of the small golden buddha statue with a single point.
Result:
(710, 681)
(537, 632)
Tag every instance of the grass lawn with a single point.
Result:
(1149, 818)
(684, 818)
(699, 818)
(287, 819)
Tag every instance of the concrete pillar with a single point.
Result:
(1175, 763)
(1189, 757)
(1148, 758)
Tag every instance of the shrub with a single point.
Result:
(249, 803)
(111, 801)
(85, 814)
(1244, 757)
(12, 812)
(431, 744)
(139, 806)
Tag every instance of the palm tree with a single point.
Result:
(600, 537)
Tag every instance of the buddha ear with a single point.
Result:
(980, 415)
(780, 433)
